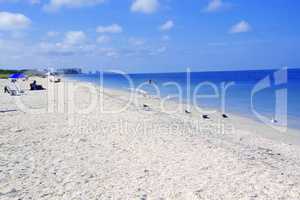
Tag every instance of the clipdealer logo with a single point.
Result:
(277, 82)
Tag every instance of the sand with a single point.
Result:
(51, 150)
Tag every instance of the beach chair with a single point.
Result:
(19, 90)
(13, 89)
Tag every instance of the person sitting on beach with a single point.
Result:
(34, 86)
(6, 90)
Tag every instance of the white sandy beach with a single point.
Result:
(138, 153)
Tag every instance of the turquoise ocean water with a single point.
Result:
(241, 85)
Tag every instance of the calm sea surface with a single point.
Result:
(208, 90)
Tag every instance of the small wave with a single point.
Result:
(138, 91)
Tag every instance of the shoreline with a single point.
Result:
(136, 154)
(292, 135)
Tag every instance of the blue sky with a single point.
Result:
(150, 35)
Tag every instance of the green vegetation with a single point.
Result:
(4, 73)
(3, 76)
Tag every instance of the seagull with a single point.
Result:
(225, 116)
(205, 116)
(187, 112)
(274, 121)
(146, 107)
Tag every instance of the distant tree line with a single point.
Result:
(4, 73)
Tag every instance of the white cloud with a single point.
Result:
(241, 27)
(14, 51)
(145, 6)
(52, 33)
(167, 26)
(17, 1)
(29, 54)
(103, 39)
(63, 49)
(13, 21)
(73, 43)
(108, 52)
(136, 41)
(165, 38)
(216, 5)
(114, 28)
(161, 50)
(75, 37)
(54, 5)
(34, 2)
(157, 51)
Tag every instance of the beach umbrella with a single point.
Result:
(17, 75)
